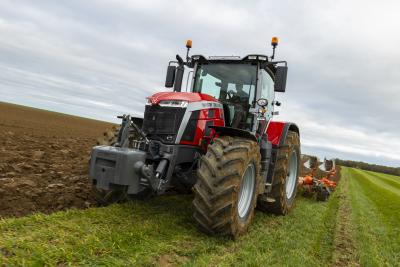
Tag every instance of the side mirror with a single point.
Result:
(280, 78)
(170, 79)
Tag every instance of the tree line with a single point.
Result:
(368, 166)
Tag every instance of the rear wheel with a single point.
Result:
(227, 186)
(286, 177)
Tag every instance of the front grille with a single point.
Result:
(162, 123)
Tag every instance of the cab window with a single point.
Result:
(267, 85)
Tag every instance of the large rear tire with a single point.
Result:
(286, 176)
(227, 186)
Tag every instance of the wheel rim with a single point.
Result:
(246, 191)
(291, 175)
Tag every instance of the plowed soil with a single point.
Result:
(44, 160)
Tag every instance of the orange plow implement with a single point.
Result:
(322, 187)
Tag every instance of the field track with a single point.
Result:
(358, 226)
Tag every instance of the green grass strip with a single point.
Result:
(393, 181)
(382, 181)
(162, 230)
(376, 216)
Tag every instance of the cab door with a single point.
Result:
(267, 91)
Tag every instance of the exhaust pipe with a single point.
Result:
(179, 74)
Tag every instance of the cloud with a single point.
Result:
(99, 59)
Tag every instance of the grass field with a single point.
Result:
(375, 203)
(359, 226)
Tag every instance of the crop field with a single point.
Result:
(48, 215)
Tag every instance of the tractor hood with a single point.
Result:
(189, 97)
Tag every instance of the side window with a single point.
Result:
(267, 91)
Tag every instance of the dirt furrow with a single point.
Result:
(344, 250)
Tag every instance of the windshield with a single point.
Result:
(227, 81)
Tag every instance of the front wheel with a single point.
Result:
(227, 186)
(286, 176)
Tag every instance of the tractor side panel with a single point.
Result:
(198, 131)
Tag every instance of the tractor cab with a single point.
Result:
(237, 83)
(244, 86)
(233, 84)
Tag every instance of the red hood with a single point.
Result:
(190, 97)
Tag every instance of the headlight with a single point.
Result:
(173, 103)
(262, 102)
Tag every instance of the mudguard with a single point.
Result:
(278, 130)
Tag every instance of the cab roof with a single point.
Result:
(249, 58)
(252, 58)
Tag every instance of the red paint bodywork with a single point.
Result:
(190, 97)
(204, 117)
(274, 132)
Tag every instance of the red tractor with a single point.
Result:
(216, 139)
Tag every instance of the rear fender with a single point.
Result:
(277, 132)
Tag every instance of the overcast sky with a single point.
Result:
(99, 59)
